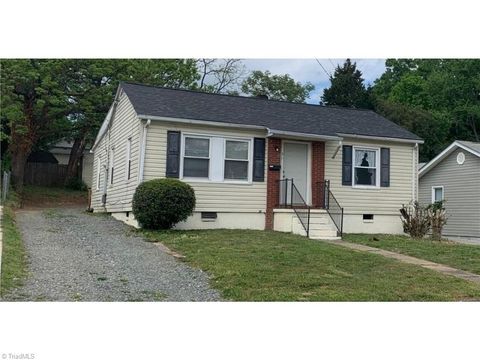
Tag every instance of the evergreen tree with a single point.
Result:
(347, 88)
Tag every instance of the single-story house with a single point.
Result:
(256, 163)
(454, 176)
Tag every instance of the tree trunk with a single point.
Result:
(19, 160)
(75, 156)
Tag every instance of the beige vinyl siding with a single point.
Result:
(211, 196)
(124, 125)
(378, 201)
(461, 186)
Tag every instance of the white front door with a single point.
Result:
(295, 166)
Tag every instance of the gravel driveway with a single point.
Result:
(76, 256)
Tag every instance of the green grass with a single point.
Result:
(43, 195)
(460, 256)
(13, 258)
(271, 266)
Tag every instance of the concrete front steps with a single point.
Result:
(321, 226)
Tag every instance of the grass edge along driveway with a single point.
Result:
(13, 253)
(249, 265)
(457, 255)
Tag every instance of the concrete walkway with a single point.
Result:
(447, 270)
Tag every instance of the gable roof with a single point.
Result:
(150, 102)
(471, 147)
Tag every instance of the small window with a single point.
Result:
(112, 154)
(128, 162)
(368, 217)
(437, 194)
(196, 160)
(236, 160)
(98, 174)
(208, 216)
(365, 170)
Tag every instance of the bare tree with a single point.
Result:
(220, 75)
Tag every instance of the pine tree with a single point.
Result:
(347, 88)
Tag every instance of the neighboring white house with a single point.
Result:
(454, 176)
(61, 151)
(255, 163)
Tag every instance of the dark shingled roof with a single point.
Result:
(275, 115)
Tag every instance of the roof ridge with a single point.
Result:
(245, 97)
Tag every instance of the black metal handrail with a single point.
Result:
(330, 203)
(290, 197)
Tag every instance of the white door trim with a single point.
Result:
(309, 165)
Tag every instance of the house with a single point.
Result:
(454, 176)
(256, 163)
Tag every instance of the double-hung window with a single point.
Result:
(236, 160)
(216, 158)
(366, 170)
(112, 165)
(196, 159)
(128, 162)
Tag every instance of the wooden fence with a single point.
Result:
(45, 174)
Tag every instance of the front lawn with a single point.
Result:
(460, 256)
(248, 265)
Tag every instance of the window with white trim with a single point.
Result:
(236, 160)
(196, 157)
(98, 174)
(366, 171)
(112, 165)
(216, 158)
(437, 194)
(128, 161)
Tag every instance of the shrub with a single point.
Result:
(75, 183)
(161, 203)
(415, 219)
(438, 218)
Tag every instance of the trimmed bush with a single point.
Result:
(76, 183)
(161, 203)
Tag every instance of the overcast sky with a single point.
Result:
(304, 70)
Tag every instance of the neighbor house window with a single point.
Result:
(437, 193)
(196, 159)
(236, 160)
(365, 169)
(128, 162)
(98, 174)
(112, 154)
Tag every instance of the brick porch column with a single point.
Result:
(318, 172)
(274, 147)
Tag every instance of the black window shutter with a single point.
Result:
(259, 159)
(384, 167)
(173, 154)
(347, 165)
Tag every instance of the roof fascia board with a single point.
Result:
(469, 149)
(108, 119)
(367, 137)
(430, 165)
(200, 122)
(298, 135)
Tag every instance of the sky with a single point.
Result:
(304, 70)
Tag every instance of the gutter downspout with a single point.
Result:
(142, 150)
